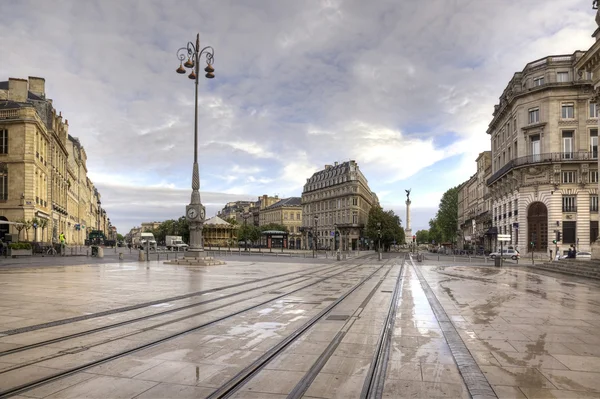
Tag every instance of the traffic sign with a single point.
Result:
(503, 237)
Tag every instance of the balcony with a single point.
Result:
(567, 208)
(552, 157)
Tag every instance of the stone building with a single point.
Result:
(236, 210)
(474, 204)
(337, 197)
(286, 212)
(544, 138)
(38, 181)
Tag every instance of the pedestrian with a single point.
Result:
(63, 243)
(574, 251)
(570, 253)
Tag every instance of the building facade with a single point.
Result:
(474, 204)
(38, 180)
(236, 210)
(544, 138)
(336, 198)
(288, 213)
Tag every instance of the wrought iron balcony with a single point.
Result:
(552, 157)
(571, 208)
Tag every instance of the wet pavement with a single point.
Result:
(283, 328)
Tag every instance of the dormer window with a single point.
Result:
(539, 81)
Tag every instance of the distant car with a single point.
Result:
(580, 255)
(507, 253)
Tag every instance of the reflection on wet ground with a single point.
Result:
(533, 335)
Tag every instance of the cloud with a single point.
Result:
(400, 87)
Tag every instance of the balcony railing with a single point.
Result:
(552, 157)
(567, 208)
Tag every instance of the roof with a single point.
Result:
(292, 201)
(334, 170)
(215, 220)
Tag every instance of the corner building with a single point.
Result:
(544, 139)
(336, 197)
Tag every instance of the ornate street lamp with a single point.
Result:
(195, 211)
(315, 235)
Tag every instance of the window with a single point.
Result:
(569, 203)
(535, 148)
(567, 144)
(594, 143)
(534, 115)
(3, 183)
(3, 141)
(569, 229)
(593, 110)
(538, 81)
(515, 124)
(567, 111)
(562, 77)
(593, 231)
(298, 216)
(593, 203)
(285, 216)
(568, 176)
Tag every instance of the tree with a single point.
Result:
(43, 223)
(120, 237)
(249, 232)
(28, 225)
(20, 227)
(231, 220)
(391, 227)
(273, 226)
(423, 237)
(442, 228)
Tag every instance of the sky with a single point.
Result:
(405, 88)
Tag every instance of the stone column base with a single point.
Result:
(195, 261)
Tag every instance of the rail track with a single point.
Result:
(61, 374)
(375, 379)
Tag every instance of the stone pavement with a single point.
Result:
(280, 328)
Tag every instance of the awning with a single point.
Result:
(492, 231)
(7, 222)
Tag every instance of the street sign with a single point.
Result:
(332, 233)
(503, 237)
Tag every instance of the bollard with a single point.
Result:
(453, 258)
(87, 252)
(469, 258)
(100, 252)
(141, 256)
(438, 257)
(157, 256)
(120, 255)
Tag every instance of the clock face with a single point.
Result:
(192, 213)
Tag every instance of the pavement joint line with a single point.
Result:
(65, 373)
(137, 306)
(476, 382)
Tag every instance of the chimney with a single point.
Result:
(17, 90)
(37, 86)
(327, 167)
(335, 163)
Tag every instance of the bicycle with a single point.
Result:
(51, 251)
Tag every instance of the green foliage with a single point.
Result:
(172, 227)
(20, 245)
(423, 237)
(120, 237)
(249, 232)
(19, 227)
(231, 220)
(273, 226)
(442, 228)
(391, 227)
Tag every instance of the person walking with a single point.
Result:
(63, 243)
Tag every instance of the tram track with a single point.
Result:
(232, 386)
(142, 305)
(302, 278)
(61, 374)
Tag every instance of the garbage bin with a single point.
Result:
(497, 261)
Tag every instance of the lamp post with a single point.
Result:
(335, 240)
(379, 240)
(195, 211)
(245, 215)
(315, 235)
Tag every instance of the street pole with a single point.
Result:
(315, 237)
(379, 239)
(195, 211)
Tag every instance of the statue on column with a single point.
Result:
(408, 194)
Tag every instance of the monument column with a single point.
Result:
(407, 230)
